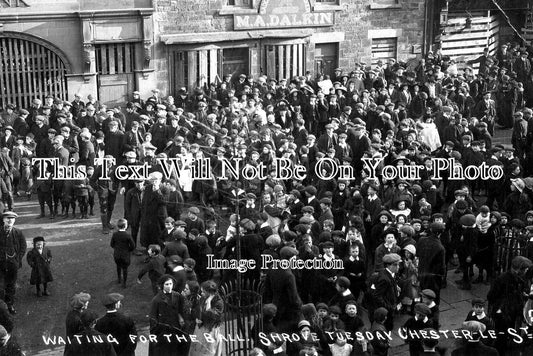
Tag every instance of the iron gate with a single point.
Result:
(28, 70)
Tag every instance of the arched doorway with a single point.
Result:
(30, 68)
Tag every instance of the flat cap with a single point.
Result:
(287, 252)
(112, 298)
(391, 258)
(326, 201)
(478, 301)
(474, 326)
(428, 293)
(273, 240)
(423, 309)
(310, 189)
(468, 220)
(9, 214)
(180, 223)
(328, 244)
(194, 210)
(437, 227)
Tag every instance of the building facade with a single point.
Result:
(64, 47)
(109, 48)
(198, 42)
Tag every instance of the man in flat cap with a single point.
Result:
(384, 290)
(118, 325)
(12, 250)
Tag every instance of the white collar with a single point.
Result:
(388, 270)
(479, 317)
(346, 292)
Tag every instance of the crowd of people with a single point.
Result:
(396, 237)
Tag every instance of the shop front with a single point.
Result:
(277, 41)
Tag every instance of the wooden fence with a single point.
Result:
(464, 41)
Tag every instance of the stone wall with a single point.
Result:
(359, 20)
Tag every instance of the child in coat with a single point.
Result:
(122, 245)
(39, 259)
(155, 267)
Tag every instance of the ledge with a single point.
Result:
(235, 10)
(37, 16)
(384, 6)
(213, 37)
(328, 7)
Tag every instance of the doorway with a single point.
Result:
(235, 61)
(115, 63)
(326, 58)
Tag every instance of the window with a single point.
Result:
(384, 49)
(240, 3)
(385, 4)
(115, 58)
(326, 1)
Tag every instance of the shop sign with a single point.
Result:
(283, 14)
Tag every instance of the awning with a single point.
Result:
(211, 37)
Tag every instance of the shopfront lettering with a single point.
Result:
(316, 19)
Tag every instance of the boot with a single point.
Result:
(105, 228)
(109, 225)
(42, 213)
(91, 211)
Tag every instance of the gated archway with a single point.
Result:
(30, 68)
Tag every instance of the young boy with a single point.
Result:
(81, 193)
(39, 259)
(414, 324)
(90, 199)
(44, 188)
(322, 312)
(343, 295)
(478, 313)
(122, 245)
(155, 267)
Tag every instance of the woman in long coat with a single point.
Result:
(166, 317)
